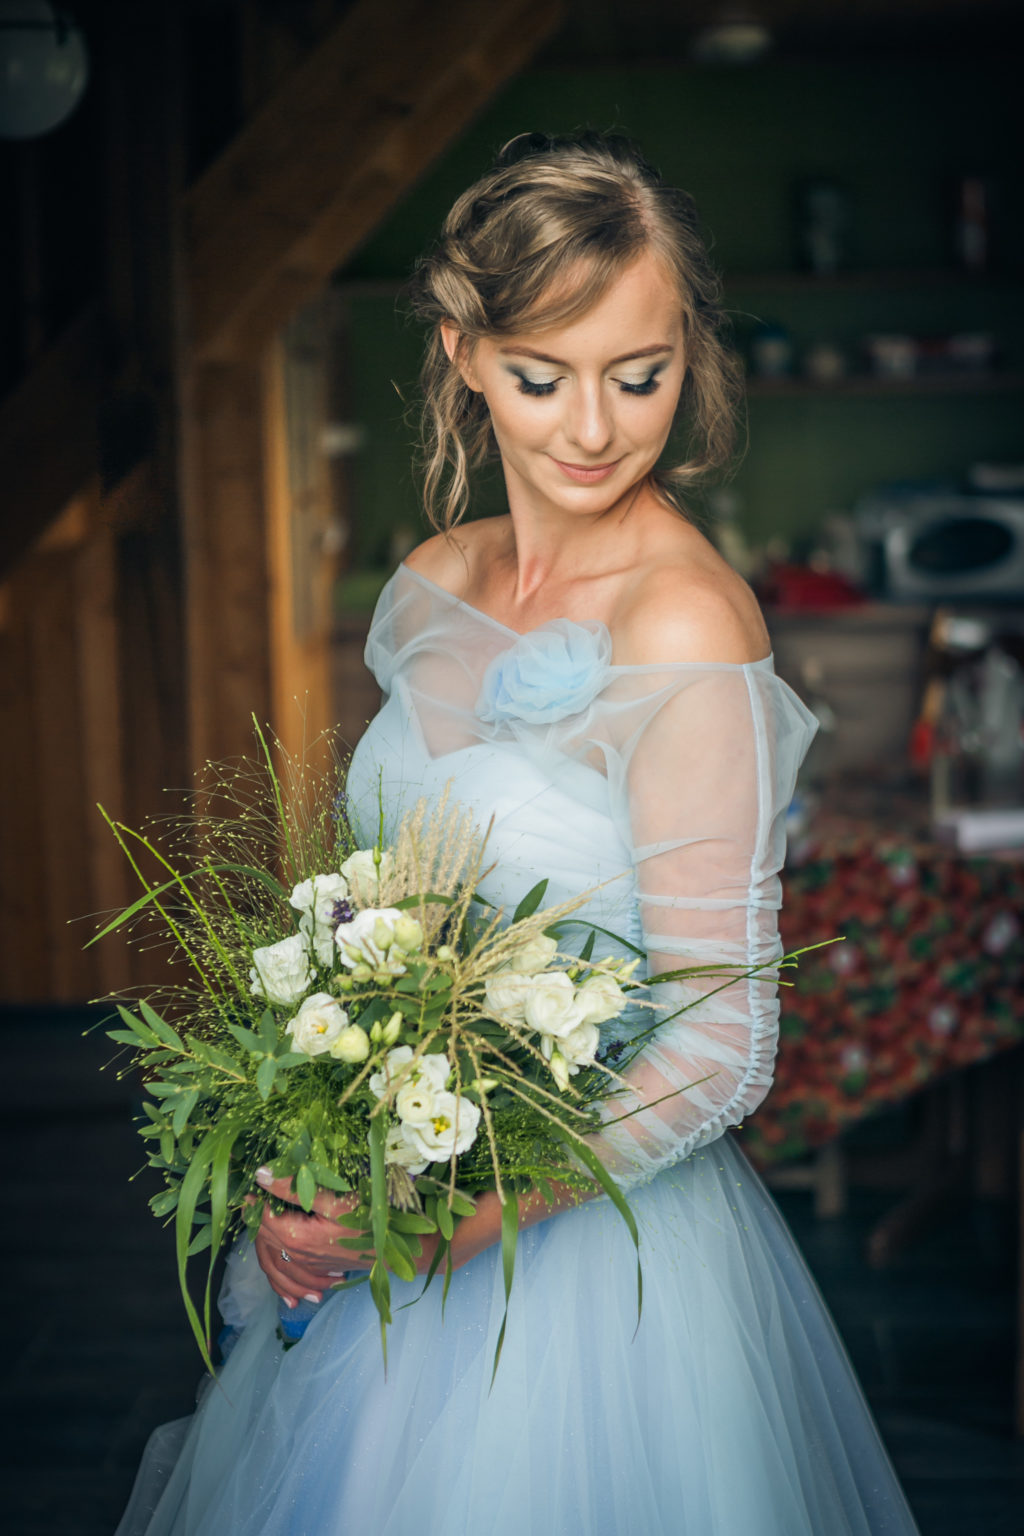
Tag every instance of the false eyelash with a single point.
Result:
(648, 386)
(528, 387)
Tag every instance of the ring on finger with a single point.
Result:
(286, 1256)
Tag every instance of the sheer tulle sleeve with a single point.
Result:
(705, 782)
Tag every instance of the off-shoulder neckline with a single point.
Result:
(520, 634)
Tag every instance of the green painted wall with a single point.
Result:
(896, 136)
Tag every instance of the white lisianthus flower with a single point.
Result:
(351, 1046)
(577, 1049)
(551, 1006)
(414, 1103)
(316, 899)
(398, 1149)
(317, 1024)
(450, 1130)
(600, 998)
(368, 938)
(505, 995)
(433, 1070)
(535, 954)
(281, 972)
(361, 872)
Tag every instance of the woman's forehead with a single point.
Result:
(639, 299)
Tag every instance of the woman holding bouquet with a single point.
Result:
(595, 679)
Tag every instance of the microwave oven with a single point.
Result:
(941, 547)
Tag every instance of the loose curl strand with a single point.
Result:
(534, 244)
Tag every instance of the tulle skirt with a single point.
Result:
(731, 1410)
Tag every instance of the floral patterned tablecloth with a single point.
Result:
(929, 978)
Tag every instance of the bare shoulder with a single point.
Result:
(451, 560)
(690, 611)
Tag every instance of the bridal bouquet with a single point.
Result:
(360, 1020)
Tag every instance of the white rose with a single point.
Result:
(317, 1024)
(506, 993)
(450, 1130)
(414, 1103)
(281, 972)
(397, 1149)
(352, 1045)
(316, 899)
(551, 1006)
(535, 954)
(361, 872)
(600, 998)
(367, 939)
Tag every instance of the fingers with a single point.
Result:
(324, 1202)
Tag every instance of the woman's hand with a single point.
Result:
(299, 1253)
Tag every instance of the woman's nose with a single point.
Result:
(589, 425)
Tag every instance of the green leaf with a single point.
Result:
(268, 1030)
(462, 1205)
(266, 1073)
(167, 1146)
(305, 1187)
(184, 1107)
(162, 1031)
(398, 1261)
(246, 1037)
(137, 1027)
(445, 1222)
(411, 1221)
(509, 1241)
(530, 902)
(164, 1203)
(588, 948)
(201, 1241)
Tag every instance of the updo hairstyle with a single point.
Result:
(534, 244)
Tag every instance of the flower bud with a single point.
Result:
(484, 1084)
(392, 1029)
(383, 934)
(352, 1045)
(408, 933)
(446, 953)
(362, 973)
(560, 1070)
(376, 1032)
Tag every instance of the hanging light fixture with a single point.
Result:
(733, 34)
(44, 68)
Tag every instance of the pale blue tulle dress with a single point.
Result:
(732, 1409)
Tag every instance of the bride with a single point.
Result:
(592, 676)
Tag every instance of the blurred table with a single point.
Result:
(929, 977)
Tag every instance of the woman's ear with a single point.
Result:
(460, 354)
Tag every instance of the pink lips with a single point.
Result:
(587, 474)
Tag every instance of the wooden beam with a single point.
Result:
(48, 448)
(347, 133)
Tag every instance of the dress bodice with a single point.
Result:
(660, 789)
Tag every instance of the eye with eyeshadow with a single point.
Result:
(534, 387)
(645, 387)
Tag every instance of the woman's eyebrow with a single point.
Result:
(627, 357)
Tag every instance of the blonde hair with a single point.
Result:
(535, 243)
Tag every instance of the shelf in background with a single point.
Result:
(862, 384)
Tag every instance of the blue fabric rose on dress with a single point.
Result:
(547, 674)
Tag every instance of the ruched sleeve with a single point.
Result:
(705, 780)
